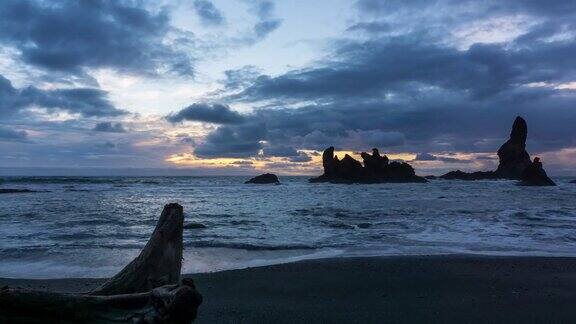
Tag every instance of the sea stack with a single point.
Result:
(512, 155)
(534, 175)
(376, 169)
(266, 178)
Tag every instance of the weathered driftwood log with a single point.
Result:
(148, 290)
(158, 264)
(167, 304)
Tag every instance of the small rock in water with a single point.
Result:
(264, 179)
(194, 226)
(364, 225)
(573, 181)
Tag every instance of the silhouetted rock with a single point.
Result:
(461, 175)
(431, 177)
(329, 162)
(573, 181)
(512, 155)
(376, 169)
(374, 163)
(264, 179)
(534, 175)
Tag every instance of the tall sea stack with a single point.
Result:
(514, 160)
(512, 155)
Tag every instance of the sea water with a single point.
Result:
(93, 226)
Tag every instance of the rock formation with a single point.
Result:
(573, 181)
(264, 179)
(512, 155)
(534, 175)
(149, 290)
(376, 169)
(461, 175)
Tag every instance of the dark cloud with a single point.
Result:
(445, 159)
(106, 145)
(208, 113)
(87, 102)
(240, 78)
(407, 86)
(10, 135)
(68, 36)
(281, 151)
(233, 141)
(300, 158)
(453, 160)
(109, 127)
(186, 139)
(208, 13)
(84, 101)
(266, 23)
(382, 67)
(263, 28)
(425, 157)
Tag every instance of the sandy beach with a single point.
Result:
(411, 289)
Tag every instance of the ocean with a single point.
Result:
(78, 227)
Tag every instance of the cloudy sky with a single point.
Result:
(243, 86)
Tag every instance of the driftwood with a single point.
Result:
(158, 264)
(148, 290)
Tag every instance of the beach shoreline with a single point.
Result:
(439, 288)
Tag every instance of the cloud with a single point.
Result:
(441, 158)
(10, 135)
(281, 151)
(207, 113)
(425, 157)
(87, 102)
(446, 159)
(237, 141)
(84, 101)
(69, 36)
(106, 145)
(418, 85)
(208, 13)
(266, 23)
(109, 127)
(300, 158)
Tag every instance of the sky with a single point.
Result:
(242, 87)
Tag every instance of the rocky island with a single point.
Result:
(514, 161)
(376, 169)
(266, 178)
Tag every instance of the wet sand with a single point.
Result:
(422, 289)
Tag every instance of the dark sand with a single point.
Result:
(434, 289)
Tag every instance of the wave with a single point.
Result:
(60, 180)
(252, 247)
(14, 191)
